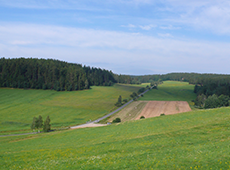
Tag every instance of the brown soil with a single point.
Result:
(156, 108)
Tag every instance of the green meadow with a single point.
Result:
(18, 106)
(194, 140)
(171, 91)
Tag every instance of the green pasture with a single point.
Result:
(194, 140)
(18, 106)
(171, 91)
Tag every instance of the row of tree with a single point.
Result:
(133, 96)
(51, 74)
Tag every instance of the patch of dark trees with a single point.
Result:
(213, 92)
(51, 74)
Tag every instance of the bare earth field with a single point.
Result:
(156, 108)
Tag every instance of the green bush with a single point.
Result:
(117, 120)
(142, 117)
(125, 100)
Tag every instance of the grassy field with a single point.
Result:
(171, 91)
(195, 140)
(18, 106)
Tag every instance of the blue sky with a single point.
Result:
(126, 36)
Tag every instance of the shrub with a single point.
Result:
(162, 114)
(125, 100)
(141, 90)
(142, 117)
(117, 120)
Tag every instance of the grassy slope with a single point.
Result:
(171, 91)
(196, 140)
(18, 107)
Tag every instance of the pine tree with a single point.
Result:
(119, 99)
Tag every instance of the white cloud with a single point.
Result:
(120, 49)
(147, 27)
(169, 27)
(167, 35)
(205, 15)
(129, 26)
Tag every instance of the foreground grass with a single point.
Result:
(171, 91)
(194, 140)
(18, 106)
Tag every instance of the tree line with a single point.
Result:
(51, 74)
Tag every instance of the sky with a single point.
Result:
(135, 37)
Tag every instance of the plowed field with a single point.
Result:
(156, 108)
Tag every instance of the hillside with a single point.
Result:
(195, 140)
(18, 106)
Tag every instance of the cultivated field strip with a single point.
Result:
(156, 108)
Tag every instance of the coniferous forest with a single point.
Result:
(51, 74)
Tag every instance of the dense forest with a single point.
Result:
(51, 74)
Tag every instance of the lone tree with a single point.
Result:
(47, 126)
(119, 101)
